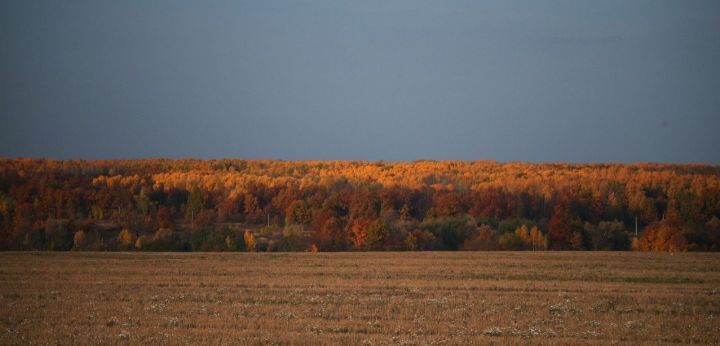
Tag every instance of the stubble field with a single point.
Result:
(359, 298)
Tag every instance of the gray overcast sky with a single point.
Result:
(376, 80)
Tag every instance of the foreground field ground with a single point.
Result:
(359, 298)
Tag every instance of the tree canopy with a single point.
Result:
(233, 205)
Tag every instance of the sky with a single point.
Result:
(577, 80)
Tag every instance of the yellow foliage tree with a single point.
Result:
(524, 235)
(250, 244)
(537, 240)
(126, 239)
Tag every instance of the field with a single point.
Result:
(359, 298)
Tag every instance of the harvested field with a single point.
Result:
(359, 298)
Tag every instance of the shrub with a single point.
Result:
(79, 240)
(126, 240)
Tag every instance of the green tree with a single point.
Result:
(377, 233)
(607, 235)
(405, 213)
(60, 238)
(453, 231)
(143, 204)
(298, 213)
(293, 239)
(195, 203)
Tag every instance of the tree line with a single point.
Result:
(272, 205)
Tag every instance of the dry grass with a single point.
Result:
(359, 298)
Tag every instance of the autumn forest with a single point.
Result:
(266, 205)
